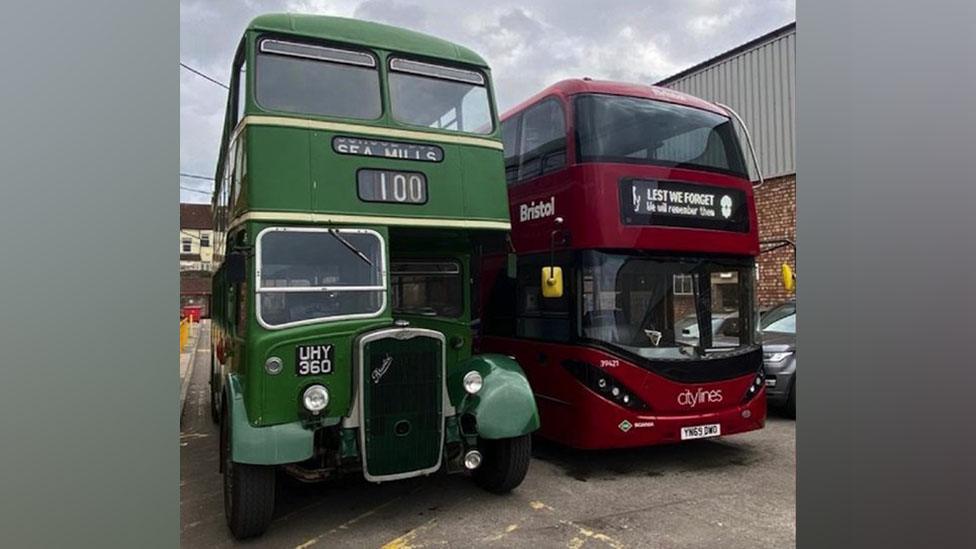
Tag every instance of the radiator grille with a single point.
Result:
(402, 404)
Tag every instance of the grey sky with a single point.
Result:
(529, 45)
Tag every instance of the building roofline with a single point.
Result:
(769, 36)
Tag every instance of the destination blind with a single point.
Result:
(676, 204)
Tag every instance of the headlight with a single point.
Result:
(472, 460)
(273, 365)
(315, 398)
(473, 382)
(754, 387)
(776, 357)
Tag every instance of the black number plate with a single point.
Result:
(392, 186)
(314, 360)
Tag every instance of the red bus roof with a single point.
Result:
(574, 86)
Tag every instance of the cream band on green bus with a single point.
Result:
(292, 217)
(308, 123)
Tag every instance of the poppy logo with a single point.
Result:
(726, 204)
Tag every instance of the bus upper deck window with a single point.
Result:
(312, 79)
(438, 96)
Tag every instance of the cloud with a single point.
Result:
(403, 14)
(705, 26)
(529, 44)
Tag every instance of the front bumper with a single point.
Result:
(648, 430)
(779, 379)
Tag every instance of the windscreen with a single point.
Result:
(613, 128)
(307, 275)
(311, 79)
(662, 308)
(442, 97)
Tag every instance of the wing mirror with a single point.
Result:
(236, 264)
(552, 281)
(552, 276)
(789, 278)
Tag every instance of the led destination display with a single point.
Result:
(670, 203)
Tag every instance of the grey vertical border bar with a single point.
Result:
(89, 428)
(887, 273)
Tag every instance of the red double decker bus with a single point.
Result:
(630, 295)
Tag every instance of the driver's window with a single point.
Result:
(427, 287)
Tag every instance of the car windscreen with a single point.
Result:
(438, 96)
(776, 313)
(612, 128)
(319, 80)
(783, 325)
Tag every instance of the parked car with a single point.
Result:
(725, 327)
(779, 355)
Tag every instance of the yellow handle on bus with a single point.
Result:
(552, 282)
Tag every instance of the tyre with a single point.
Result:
(249, 490)
(504, 464)
(791, 401)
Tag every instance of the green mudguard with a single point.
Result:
(505, 406)
(274, 445)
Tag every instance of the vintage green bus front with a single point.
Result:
(360, 180)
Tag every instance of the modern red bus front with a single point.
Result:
(655, 339)
(578, 416)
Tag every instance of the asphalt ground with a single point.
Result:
(724, 493)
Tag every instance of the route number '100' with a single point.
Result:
(392, 186)
(402, 184)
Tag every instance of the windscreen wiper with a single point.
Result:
(352, 248)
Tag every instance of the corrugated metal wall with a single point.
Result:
(760, 84)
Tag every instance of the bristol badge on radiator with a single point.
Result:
(378, 373)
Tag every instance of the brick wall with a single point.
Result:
(776, 207)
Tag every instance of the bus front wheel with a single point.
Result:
(504, 464)
(249, 490)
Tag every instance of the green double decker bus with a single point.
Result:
(359, 181)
